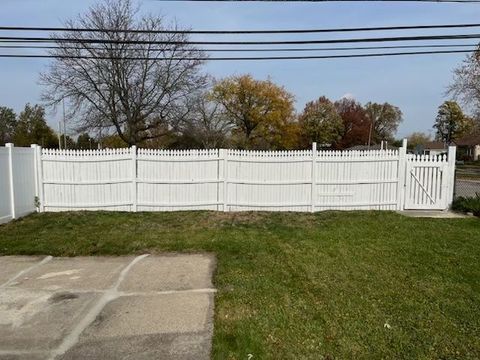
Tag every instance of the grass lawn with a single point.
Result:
(332, 285)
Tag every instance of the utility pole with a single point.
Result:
(60, 135)
(370, 133)
(64, 126)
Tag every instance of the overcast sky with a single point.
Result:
(415, 84)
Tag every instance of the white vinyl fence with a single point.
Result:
(226, 180)
(18, 172)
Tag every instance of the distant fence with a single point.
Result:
(235, 180)
(467, 180)
(18, 182)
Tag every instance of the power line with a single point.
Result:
(33, 47)
(284, 31)
(28, 56)
(283, 42)
(320, 1)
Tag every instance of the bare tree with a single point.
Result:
(208, 124)
(384, 121)
(466, 83)
(134, 79)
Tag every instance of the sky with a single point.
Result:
(415, 84)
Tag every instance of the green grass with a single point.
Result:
(303, 286)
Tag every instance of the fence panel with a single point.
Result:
(179, 180)
(87, 179)
(24, 178)
(357, 180)
(229, 180)
(269, 180)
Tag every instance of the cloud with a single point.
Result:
(348, 96)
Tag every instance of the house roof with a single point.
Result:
(435, 145)
(469, 140)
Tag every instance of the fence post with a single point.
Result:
(452, 154)
(41, 192)
(133, 150)
(224, 155)
(314, 177)
(402, 169)
(35, 172)
(10, 147)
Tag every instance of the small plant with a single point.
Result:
(36, 201)
(467, 205)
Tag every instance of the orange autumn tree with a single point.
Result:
(260, 112)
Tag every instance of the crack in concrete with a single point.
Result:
(25, 271)
(73, 337)
(22, 352)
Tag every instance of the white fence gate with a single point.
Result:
(224, 180)
(429, 181)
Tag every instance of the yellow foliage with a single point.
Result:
(261, 112)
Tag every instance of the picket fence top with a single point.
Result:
(427, 158)
(167, 152)
(99, 152)
(217, 152)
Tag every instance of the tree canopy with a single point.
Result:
(7, 124)
(320, 122)
(385, 119)
(465, 86)
(418, 138)
(31, 128)
(260, 112)
(147, 88)
(451, 123)
(86, 142)
(356, 123)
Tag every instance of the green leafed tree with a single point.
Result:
(320, 122)
(260, 112)
(86, 142)
(451, 123)
(384, 121)
(7, 125)
(31, 128)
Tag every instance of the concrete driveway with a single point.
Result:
(145, 307)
